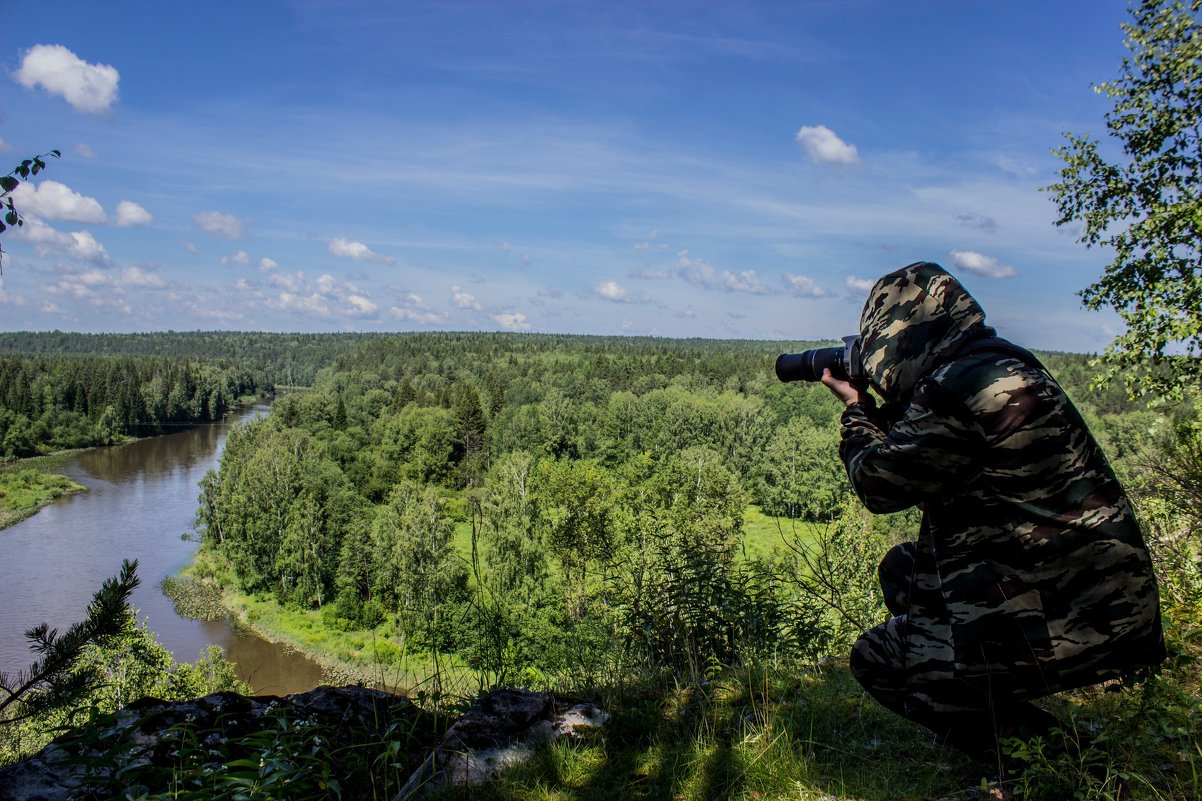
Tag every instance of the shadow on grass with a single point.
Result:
(808, 735)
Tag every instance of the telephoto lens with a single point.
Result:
(809, 364)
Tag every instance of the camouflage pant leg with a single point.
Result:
(895, 573)
(968, 715)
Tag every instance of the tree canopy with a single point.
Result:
(1144, 205)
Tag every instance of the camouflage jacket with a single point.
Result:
(1030, 560)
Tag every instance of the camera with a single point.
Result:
(843, 362)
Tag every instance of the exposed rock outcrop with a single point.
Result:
(190, 740)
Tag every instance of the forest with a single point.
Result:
(564, 508)
(446, 512)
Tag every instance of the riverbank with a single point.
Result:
(373, 658)
(25, 491)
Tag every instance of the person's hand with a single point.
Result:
(843, 390)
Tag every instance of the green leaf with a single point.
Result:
(11, 218)
(9, 183)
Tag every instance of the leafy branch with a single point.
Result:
(9, 183)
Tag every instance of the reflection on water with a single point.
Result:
(141, 500)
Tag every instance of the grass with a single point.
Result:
(752, 733)
(24, 492)
(763, 534)
(798, 732)
(374, 658)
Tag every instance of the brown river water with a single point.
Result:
(142, 497)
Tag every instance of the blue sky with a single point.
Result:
(668, 168)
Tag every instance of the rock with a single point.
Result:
(502, 729)
(156, 733)
(189, 740)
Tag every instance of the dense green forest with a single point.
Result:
(444, 512)
(563, 507)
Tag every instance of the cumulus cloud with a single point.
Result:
(324, 297)
(218, 224)
(130, 214)
(700, 273)
(292, 282)
(266, 264)
(511, 321)
(803, 287)
(823, 146)
(612, 290)
(90, 88)
(56, 201)
(240, 257)
(981, 265)
(79, 245)
(357, 251)
(360, 305)
(858, 284)
(312, 303)
(10, 298)
(423, 316)
(464, 300)
(137, 277)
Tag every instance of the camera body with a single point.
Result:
(843, 362)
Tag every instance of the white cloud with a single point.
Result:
(191, 248)
(700, 273)
(464, 300)
(308, 304)
(357, 251)
(512, 321)
(130, 214)
(9, 298)
(50, 308)
(324, 297)
(981, 265)
(84, 151)
(823, 146)
(292, 283)
(360, 305)
(77, 245)
(266, 264)
(612, 290)
(56, 201)
(4, 146)
(858, 284)
(238, 258)
(423, 316)
(137, 277)
(803, 287)
(87, 87)
(93, 278)
(218, 224)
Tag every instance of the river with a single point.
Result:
(142, 497)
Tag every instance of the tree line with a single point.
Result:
(558, 506)
(50, 403)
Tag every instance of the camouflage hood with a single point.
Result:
(915, 319)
